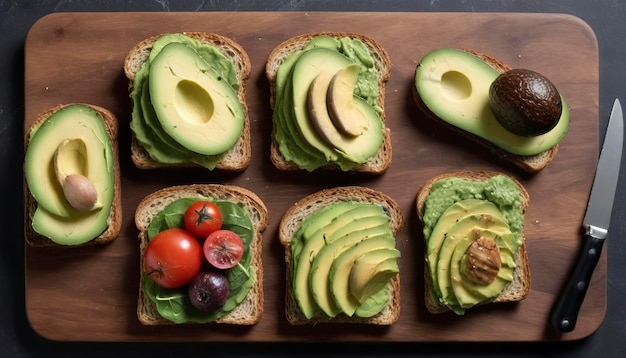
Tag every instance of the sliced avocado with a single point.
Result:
(323, 42)
(468, 293)
(328, 226)
(471, 227)
(362, 270)
(303, 244)
(454, 85)
(371, 270)
(453, 214)
(323, 217)
(194, 105)
(290, 144)
(54, 217)
(296, 139)
(375, 303)
(343, 268)
(320, 267)
(340, 97)
(309, 65)
(356, 148)
(316, 221)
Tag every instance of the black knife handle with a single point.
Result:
(565, 311)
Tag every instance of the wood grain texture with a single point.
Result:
(89, 294)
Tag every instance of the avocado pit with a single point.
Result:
(482, 261)
(525, 102)
(70, 160)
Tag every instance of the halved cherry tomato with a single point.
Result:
(223, 249)
(172, 258)
(202, 218)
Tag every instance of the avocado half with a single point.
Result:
(54, 217)
(454, 85)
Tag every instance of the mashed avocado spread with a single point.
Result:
(500, 190)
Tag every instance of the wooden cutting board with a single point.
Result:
(89, 294)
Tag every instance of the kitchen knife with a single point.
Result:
(596, 224)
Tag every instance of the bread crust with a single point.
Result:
(292, 220)
(236, 158)
(530, 164)
(250, 310)
(519, 288)
(114, 221)
(382, 160)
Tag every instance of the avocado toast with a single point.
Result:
(327, 95)
(245, 307)
(71, 139)
(475, 250)
(436, 82)
(189, 102)
(341, 258)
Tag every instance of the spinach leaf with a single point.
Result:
(174, 304)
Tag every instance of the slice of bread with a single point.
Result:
(114, 221)
(520, 286)
(291, 222)
(382, 160)
(250, 310)
(530, 164)
(236, 158)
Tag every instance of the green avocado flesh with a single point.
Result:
(334, 268)
(457, 212)
(454, 85)
(54, 217)
(306, 136)
(174, 304)
(185, 103)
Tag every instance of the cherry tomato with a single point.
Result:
(223, 249)
(202, 218)
(172, 258)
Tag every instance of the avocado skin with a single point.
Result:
(525, 102)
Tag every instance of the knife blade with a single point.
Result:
(596, 224)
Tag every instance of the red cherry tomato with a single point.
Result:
(172, 258)
(202, 218)
(223, 249)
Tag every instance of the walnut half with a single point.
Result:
(482, 261)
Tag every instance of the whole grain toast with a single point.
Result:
(382, 160)
(114, 221)
(236, 158)
(291, 222)
(520, 286)
(250, 310)
(530, 164)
